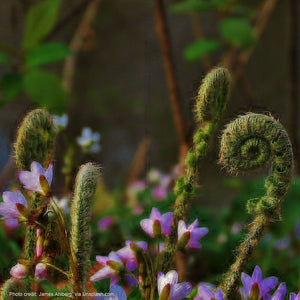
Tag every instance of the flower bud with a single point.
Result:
(46, 189)
(18, 271)
(254, 294)
(157, 229)
(165, 294)
(40, 271)
(39, 243)
(184, 240)
(116, 266)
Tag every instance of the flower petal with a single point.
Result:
(267, 285)
(155, 214)
(180, 290)
(166, 222)
(181, 228)
(106, 272)
(247, 282)
(147, 226)
(257, 275)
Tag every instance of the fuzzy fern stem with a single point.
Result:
(35, 142)
(85, 187)
(249, 143)
(210, 104)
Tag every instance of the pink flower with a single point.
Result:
(168, 286)
(37, 179)
(40, 271)
(12, 202)
(190, 236)
(39, 241)
(105, 222)
(107, 271)
(157, 224)
(159, 192)
(205, 293)
(257, 282)
(18, 271)
(128, 255)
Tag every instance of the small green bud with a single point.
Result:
(157, 229)
(165, 294)
(45, 186)
(116, 266)
(254, 293)
(185, 238)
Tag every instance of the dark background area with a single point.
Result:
(120, 86)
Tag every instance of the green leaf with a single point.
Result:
(4, 60)
(102, 286)
(11, 84)
(199, 48)
(193, 5)
(237, 31)
(135, 294)
(46, 53)
(40, 19)
(46, 90)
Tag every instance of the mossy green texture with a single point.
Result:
(13, 286)
(35, 139)
(85, 187)
(210, 104)
(248, 143)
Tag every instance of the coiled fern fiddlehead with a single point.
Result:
(210, 104)
(249, 143)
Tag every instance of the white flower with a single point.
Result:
(89, 140)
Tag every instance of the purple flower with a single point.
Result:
(105, 222)
(168, 288)
(37, 179)
(128, 255)
(107, 271)
(293, 296)
(11, 224)
(117, 293)
(190, 236)
(112, 267)
(205, 292)
(18, 271)
(40, 271)
(159, 192)
(256, 281)
(9, 208)
(157, 224)
(279, 294)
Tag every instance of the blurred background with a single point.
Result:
(121, 68)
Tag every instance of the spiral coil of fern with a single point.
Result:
(248, 143)
(210, 104)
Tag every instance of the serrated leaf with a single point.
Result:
(192, 5)
(4, 60)
(11, 84)
(237, 31)
(40, 19)
(46, 90)
(199, 48)
(47, 53)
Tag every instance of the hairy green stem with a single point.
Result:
(210, 104)
(249, 143)
(85, 187)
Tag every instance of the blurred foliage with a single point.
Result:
(22, 67)
(234, 24)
